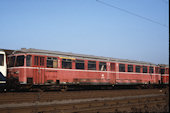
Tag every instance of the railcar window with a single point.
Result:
(102, 66)
(29, 60)
(52, 62)
(150, 69)
(11, 61)
(112, 66)
(130, 68)
(121, 67)
(145, 69)
(36, 60)
(67, 63)
(163, 71)
(91, 65)
(1, 59)
(41, 61)
(20, 60)
(79, 64)
(138, 69)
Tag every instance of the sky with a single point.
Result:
(138, 32)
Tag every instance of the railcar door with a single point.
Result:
(39, 71)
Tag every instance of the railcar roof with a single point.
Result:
(80, 56)
(163, 65)
(7, 51)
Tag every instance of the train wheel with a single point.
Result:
(64, 88)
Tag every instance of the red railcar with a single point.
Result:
(42, 67)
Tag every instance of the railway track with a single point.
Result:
(87, 101)
(133, 105)
(17, 97)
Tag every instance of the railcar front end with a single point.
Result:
(3, 70)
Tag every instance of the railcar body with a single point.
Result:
(42, 67)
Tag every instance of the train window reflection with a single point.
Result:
(130, 68)
(79, 64)
(162, 71)
(1, 59)
(28, 60)
(121, 67)
(145, 69)
(91, 65)
(67, 63)
(20, 61)
(138, 69)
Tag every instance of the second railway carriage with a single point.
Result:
(2, 70)
(49, 68)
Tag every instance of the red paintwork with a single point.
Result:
(41, 74)
(165, 76)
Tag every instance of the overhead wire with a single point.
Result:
(131, 13)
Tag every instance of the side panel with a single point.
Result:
(79, 76)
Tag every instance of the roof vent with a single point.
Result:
(23, 48)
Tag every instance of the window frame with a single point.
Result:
(1, 59)
(81, 63)
(145, 69)
(138, 67)
(151, 69)
(91, 65)
(101, 64)
(36, 61)
(65, 62)
(130, 68)
(30, 60)
(122, 67)
(42, 63)
(39, 61)
(51, 60)
(20, 63)
(162, 71)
